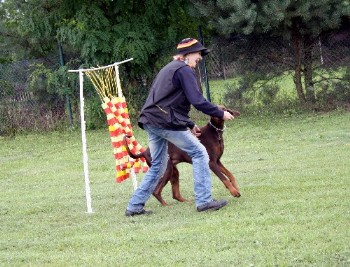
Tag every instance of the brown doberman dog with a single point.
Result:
(212, 138)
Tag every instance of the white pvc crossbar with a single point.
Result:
(103, 67)
(83, 128)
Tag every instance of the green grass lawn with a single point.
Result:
(294, 211)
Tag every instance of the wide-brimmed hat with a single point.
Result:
(191, 45)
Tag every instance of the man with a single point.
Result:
(165, 117)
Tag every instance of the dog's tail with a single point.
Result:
(131, 154)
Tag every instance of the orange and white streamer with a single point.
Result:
(119, 125)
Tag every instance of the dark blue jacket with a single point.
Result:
(169, 101)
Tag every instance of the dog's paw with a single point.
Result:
(180, 199)
(235, 193)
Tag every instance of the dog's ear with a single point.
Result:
(233, 112)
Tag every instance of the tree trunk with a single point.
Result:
(308, 80)
(296, 43)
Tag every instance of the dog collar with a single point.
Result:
(216, 128)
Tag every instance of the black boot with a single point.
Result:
(212, 205)
(129, 213)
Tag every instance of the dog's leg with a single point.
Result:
(157, 193)
(217, 170)
(175, 185)
(229, 175)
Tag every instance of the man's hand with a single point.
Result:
(227, 116)
(196, 131)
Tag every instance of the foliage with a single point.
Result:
(293, 173)
(115, 30)
(94, 33)
(277, 17)
(136, 97)
(95, 117)
(6, 92)
(333, 88)
(48, 86)
(6, 89)
(29, 27)
(101, 31)
(299, 21)
(265, 98)
(255, 93)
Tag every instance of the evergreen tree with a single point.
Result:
(300, 21)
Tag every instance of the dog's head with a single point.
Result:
(219, 122)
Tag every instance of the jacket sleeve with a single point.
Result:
(187, 79)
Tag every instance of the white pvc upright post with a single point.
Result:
(83, 128)
(83, 139)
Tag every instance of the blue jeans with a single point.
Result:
(158, 143)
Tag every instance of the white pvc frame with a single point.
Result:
(83, 127)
